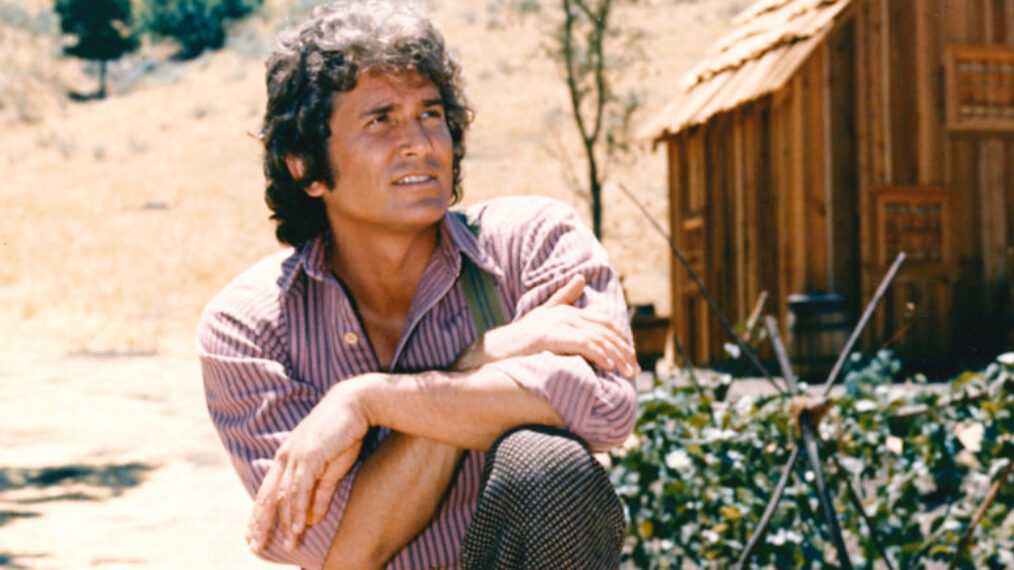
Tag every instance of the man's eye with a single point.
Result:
(433, 113)
(379, 119)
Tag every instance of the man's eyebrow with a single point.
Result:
(388, 107)
(379, 110)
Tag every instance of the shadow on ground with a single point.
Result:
(22, 487)
(84, 482)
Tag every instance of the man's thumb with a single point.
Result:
(569, 293)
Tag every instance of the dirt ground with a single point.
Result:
(122, 217)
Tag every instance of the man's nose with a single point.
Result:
(415, 138)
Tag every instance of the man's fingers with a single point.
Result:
(601, 346)
(569, 293)
(263, 516)
(298, 505)
(323, 493)
(284, 509)
(326, 485)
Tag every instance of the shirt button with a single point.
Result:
(351, 338)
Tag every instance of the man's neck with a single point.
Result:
(382, 271)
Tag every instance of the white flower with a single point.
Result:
(782, 536)
(970, 435)
(1007, 359)
(852, 464)
(732, 350)
(865, 406)
(678, 460)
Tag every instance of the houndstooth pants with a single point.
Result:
(545, 503)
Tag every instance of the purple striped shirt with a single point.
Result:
(282, 333)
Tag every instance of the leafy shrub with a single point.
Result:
(196, 24)
(236, 9)
(922, 459)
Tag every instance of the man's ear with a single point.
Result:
(297, 169)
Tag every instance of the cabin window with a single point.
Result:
(913, 219)
(980, 87)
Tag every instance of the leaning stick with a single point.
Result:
(704, 292)
(881, 290)
(967, 538)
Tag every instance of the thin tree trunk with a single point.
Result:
(102, 79)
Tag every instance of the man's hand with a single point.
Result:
(311, 461)
(558, 327)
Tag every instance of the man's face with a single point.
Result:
(392, 154)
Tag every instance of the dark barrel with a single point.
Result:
(818, 328)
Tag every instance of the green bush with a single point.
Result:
(101, 30)
(197, 25)
(923, 460)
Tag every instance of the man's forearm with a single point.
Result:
(395, 495)
(464, 409)
(434, 415)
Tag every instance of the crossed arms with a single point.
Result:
(297, 445)
(434, 416)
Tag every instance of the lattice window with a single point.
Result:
(980, 87)
(915, 220)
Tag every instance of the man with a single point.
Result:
(350, 378)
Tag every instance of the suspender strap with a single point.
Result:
(480, 290)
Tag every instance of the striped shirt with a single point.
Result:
(282, 333)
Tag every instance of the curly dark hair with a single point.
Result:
(323, 56)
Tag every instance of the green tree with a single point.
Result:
(236, 9)
(196, 24)
(102, 31)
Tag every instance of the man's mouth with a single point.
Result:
(413, 179)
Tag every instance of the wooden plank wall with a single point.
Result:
(783, 184)
(903, 140)
(978, 165)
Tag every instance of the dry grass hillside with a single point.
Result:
(122, 217)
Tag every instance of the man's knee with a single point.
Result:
(532, 458)
(546, 503)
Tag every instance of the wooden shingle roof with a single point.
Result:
(771, 39)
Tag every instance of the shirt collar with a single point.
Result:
(456, 238)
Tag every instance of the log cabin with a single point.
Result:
(820, 138)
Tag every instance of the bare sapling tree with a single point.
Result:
(592, 51)
(600, 114)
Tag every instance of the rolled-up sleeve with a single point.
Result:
(597, 405)
(254, 402)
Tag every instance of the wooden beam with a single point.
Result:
(927, 63)
(796, 190)
(676, 153)
(1010, 22)
(885, 72)
(826, 55)
(992, 176)
(814, 186)
(876, 92)
(740, 219)
(751, 166)
(954, 18)
(987, 30)
(779, 118)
